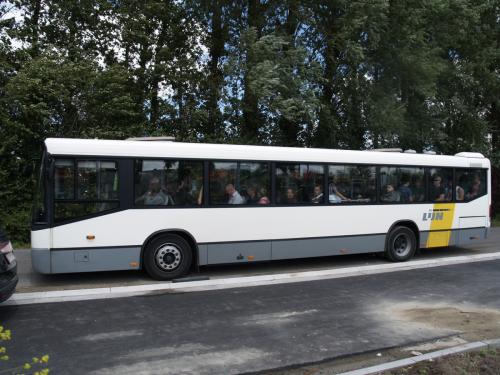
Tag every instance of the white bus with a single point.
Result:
(169, 207)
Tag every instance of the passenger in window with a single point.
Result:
(199, 200)
(153, 196)
(459, 190)
(448, 190)
(252, 197)
(290, 196)
(437, 192)
(183, 194)
(390, 195)
(317, 195)
(169, 193)
(418, 190)
(405, 192)
(371, 192)
(233, 196)
(334, 195)
(263, 197)
(475, 190)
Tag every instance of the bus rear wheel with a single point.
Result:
(401, 244)
(167, 257)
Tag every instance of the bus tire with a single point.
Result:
(401, 244)
(167, 257)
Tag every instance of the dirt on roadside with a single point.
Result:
(473, 322)
(470, 322)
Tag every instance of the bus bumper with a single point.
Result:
(40, 260)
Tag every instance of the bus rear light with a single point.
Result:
(90, 237)
(251, 257)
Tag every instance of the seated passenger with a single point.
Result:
(474, 191)
(405, 191)
(183, 195)
(317, 195)
(418, 190)
(290, 196)
(233, 196)
(390, 194)
(252, 197)
(263, 197)
(169, 193)
(437, 192)
(459, 190)
(334, 195)
(153, 196)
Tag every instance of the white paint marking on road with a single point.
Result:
(279, 318)
(239, 282)
(110, 335)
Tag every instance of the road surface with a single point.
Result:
(254, 329)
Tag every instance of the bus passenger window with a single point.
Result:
(299, 183)
(255, 182)
(441, 184)
(469, 184)
(97, 188)
(87, 180)
(351, 183)
(64, 179)
(108, 188)
(168, 183)
(239, 183)
(402, 184)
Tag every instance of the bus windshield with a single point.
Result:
(39, 205)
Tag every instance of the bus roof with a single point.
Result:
(161, 149)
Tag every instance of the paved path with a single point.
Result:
(244, 330)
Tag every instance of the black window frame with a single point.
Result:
(75, 160)
(455, 170)
(206, 185)
(126, 193)
(204, 172)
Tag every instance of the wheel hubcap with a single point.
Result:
(168, 257)
(401, 245)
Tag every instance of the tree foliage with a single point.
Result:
(336, 74)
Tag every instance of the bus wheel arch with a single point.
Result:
(398, 230)
(179, 238)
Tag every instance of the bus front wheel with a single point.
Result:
(167, 257)
(401, 244)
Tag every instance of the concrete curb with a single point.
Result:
(424, 357)
(238, 282)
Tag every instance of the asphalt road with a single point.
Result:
(29, 281)
(246, 330)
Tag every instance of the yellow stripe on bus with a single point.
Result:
(442, 224)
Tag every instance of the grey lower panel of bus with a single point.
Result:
(241, 252)
(460, 237)
(86, 260)
(128, 257)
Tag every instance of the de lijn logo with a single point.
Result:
(434, 215)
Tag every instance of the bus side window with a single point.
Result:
(402, 184)
(441, 184)
(96, 187)
(299, 183)
(168, 183)
(64, 179)
(469, 184)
